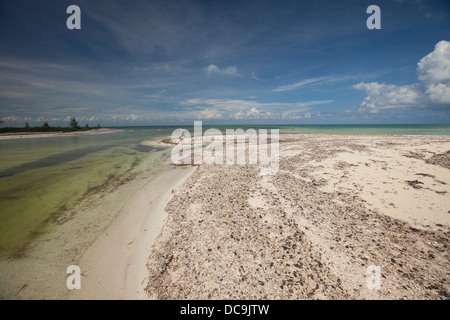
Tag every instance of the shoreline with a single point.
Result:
(31, 135)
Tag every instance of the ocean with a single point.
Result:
(41, 177)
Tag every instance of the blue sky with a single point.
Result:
(224, 62)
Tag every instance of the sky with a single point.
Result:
(224, 62)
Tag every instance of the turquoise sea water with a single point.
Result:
(39, 177)
(378, 129)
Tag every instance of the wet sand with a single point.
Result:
(114, 266)
(338, 204)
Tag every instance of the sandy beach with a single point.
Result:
(338, 204)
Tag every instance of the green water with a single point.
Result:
(40, 177)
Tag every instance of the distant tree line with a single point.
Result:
(73, 126)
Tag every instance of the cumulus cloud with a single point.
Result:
(439, 93)
(229, 71)
(210, 114)
(11, 119)
(381, 96)
(433, 88)
(434, 71)
(435, 67)
(253, 113)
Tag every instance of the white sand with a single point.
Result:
(379, 176)
(338, 205)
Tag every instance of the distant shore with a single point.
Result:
(28, 135)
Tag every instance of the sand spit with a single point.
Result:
(29, 135)
(338, 204)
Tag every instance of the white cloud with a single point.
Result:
(237, 105)
(209, 114)
(11, 119)
(229, 71)
(249, 109)
(140, 69)
(432, 90)
(439, 93)
(133, 117)
(435, 67)
(388, 96)
(253, 113)
(316, 81)
(298, 84)
(291, 115)
(254, 76)
(434, 71)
